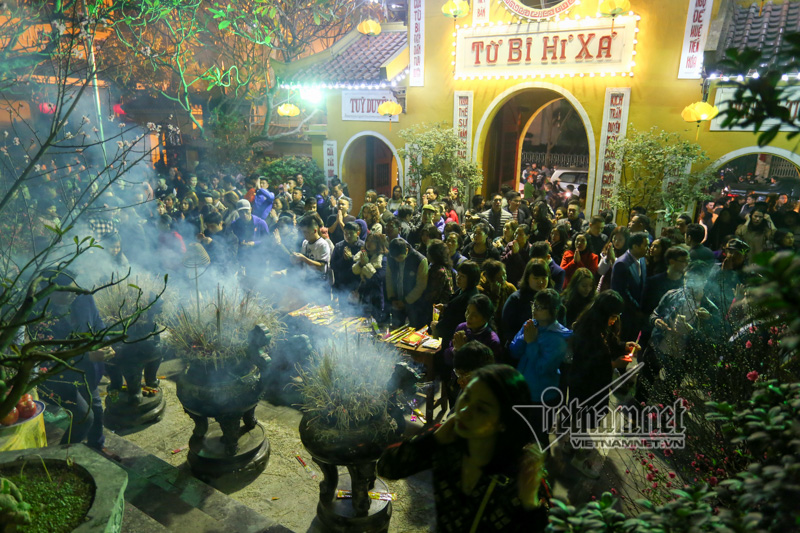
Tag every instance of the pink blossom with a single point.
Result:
(748, 345)
(752, 376)
(770, 342)
(713, 481)
(650, 477)
(655, 485)
(672, 475)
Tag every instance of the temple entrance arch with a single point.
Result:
(369, 161)
(501, 132)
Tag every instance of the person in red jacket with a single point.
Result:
(578, 256)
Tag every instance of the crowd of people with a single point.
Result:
(527, 283)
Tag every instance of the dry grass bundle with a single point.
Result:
(220, 333)
(124, 299)
(347, 382)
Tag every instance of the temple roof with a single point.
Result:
(765, 31)
(360, 60)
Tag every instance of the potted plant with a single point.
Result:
(223, 345)
(131, 405)
(349, 419)
(90, 491)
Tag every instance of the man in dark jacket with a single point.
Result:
(342, 259)
(406, 281)
(628, 278)
(75, 314)
(250, 232)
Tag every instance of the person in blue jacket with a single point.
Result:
(541, 347)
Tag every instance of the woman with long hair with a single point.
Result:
(616, 247)
(727, 222)
(578, 256)
(517, 308)
(495, 285)
(450, 214)
(370, 215)
(656, 262)
(578, 295)
(277, 209)
(597, 351)
(486, 475)
(452, 313)
(541, 226)
(396, 200)
(559, 237)
(440, 274)
(370, 265)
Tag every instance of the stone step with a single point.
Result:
(176, 501)
(136, 521)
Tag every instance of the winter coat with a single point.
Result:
(539, 361)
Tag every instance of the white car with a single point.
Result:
(570, 177)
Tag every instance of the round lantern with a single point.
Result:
(699, 112)
(613, 8)
(47, 108)
(369, 28)
(288, 110)
(456, 9)
(390, 109)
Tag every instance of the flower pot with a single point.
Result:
(108, 478)
(357, 449)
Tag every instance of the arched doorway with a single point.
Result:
(369, 161)
(501, 132)
(769, 174)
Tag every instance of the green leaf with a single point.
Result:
(224, 24)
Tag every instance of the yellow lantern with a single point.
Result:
(614, 8)
(456, 9)
(288, 110)
(699, 112)
(390, 109)
(369, 28)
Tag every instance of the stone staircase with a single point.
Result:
(161, 498)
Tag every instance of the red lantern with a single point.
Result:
(118, 109)
(47, 108)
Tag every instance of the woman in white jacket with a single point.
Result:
(370, 264)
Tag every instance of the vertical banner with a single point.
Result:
(462, 120)
(410, 184)
(614, 126)
(480, 11)
(330, 167)
(698, 20)
(417, 28)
